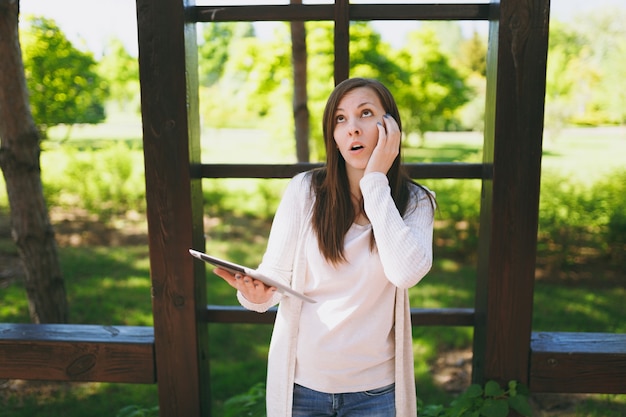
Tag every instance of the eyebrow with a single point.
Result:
(365, 103)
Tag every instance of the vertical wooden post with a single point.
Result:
(342, 40)
(510, 197)
(169, 102)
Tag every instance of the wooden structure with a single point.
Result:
(174, 353)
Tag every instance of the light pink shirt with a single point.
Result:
(346, 340)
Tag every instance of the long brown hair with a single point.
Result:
(333, 211)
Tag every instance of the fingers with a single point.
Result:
(252, 289)
(392, 129)
(388, 146)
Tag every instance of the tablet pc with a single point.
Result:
(234, 268)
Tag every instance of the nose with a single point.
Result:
(354, 127)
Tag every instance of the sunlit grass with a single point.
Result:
(569, 308)
(108, 285)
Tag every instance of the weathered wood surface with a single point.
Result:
(171, 142)
(565, 362)
(457, 170)
(64, 352)
(516, 82)
(291, 12)
(419, 316)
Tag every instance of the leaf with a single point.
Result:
(495, 408)
(474, 391)
(522, 389)
(493, 389)
(520, 404)
(461, 408)
(432, 411)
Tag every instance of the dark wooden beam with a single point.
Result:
(171, 142)
(342, 40)
(312, 12)
(516, 81)
(564, 362)
(72, 352)
(419, 316)
(417, 171)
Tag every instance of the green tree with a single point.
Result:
(435, 88)
(472, 57)
(214, 49)
(566, 70)
(121, 72)
(223, 73)
(19, 159)
(473, 54)
(62, 80)
(604, 35)
(585, 72)
(257, 76)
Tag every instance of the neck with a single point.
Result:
(354, 178)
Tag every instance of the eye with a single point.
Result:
(367, 113)
(340, 118)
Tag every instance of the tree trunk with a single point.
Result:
(19, 160)
(300, 108)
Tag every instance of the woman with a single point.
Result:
(354, 235)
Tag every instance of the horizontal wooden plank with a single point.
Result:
(237, 314)
(461, 11)
(442, 317)
(456, 170)
(565, 362)
(419, 317)
(317, 12)
(63, 352)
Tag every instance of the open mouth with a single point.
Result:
(356, 147)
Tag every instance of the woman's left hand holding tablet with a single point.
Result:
(254, 290)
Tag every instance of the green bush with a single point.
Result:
(580, 219)
(248, 404)
(104, 182)
(137, 411)
(490, 401)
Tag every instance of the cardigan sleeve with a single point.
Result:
(278, 260)
(404, 243)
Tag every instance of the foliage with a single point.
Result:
(213, 51)
(137, 411)
(248, 404)
(64, 85)
(435, 88)
(473, 54)
(604, 34)
(257, 78)
(584, 69)
(582, 215)
(121, 72)
(104, 182)
(490, 401)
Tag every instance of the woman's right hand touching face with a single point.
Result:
(252, 289)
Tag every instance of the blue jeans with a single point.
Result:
(378, 402)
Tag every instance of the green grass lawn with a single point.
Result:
(111, 284)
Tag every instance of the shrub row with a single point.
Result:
(577, 221)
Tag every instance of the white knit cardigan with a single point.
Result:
(405, 249)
